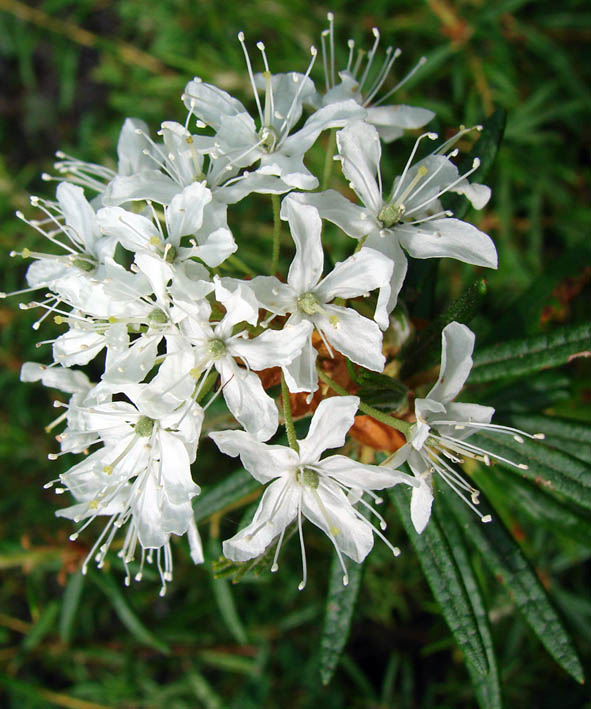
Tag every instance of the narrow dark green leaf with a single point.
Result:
(511, 568)
(225, 599)
(528, 394)
(572, 437)
(233, 488)
(485, 149)
(445, 579)
(523, 317)
(380, 391)
(42, 627)
(129, 619)
(426, 346)
(526, 356)
(524, 498)
(547, 467)
(70, 602)
(340, 605)
(487, 688)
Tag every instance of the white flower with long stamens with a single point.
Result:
(208, 346)
(358, 82)
(133, 152)
(411, 218)
(439, 436)
(279, 152)
(308, 297)
(302, 485)
(141, 477)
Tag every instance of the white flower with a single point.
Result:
(412, 217)
(141, 477)
(323, 491)
(279, 151)
(443, 426)
(308, 297)
(390, 121)
(207, 346)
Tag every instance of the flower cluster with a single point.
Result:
(142, 275)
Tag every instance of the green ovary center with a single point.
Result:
(144, 426)
(216, 348)
(309, 304)
(308, 478)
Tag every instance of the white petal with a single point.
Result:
(336, 517)
(388, 245)
(359, 475)
(329, 426)
(301, 374)
(333, 116)
(80, 217)
(185, 213)
(147, 184)
(277, 297)
(420, 503)
(355, 336)
(360, 273)
(264, 462)
(133, 231)
(305, 225)
(278, 507)
(68, 380)
(240, 304)
(131, 146)
(246, 398)
(175, 469)
(360, 149)
(274, 348)
(392, 120)
(451, 238)
(457, 344)
(476, 193)
(147, 515)
(209, 103)
(354, 220)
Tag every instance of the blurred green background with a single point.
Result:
(70, 74)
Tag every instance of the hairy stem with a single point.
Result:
(398, 424)
(288, 420)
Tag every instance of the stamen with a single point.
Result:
(251, 76)
(416, 67)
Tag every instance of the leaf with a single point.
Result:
(224, 494)
(525, 313)
(512, 569)
(568, 435)
(523, 498)
(426, 345)
(42, 627)
(129, 619)
(547, 467)
(340, 605)
(70, 603)
(446, 582)
(225, 600)
(526, 356)
(487, 687)
(380, 391)
(546, 389)
(485, 149)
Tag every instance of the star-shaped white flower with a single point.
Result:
(411, 218)
(354, 83)
(301, 485)
(308, 297)
(442, 427)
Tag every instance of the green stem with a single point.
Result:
(276, 232)
(288, 420)
(207, 385)
(328, 161)
(402, 426)
(240, 265)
